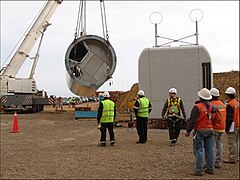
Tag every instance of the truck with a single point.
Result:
(21, 94)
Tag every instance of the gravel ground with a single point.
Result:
(53, 145)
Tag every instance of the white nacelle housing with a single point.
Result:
(186, 68)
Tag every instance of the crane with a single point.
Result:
(91, 55)
(21, 93)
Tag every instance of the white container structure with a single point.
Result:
(186, 68)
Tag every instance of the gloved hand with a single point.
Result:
(164, 118)
(99, 126)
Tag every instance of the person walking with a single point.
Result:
(106, 118)
(201, 118)
(232, 126)
(142, 108)
(174, 108)
(218, 129)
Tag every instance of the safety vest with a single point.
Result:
(143, 107)
(235, 105)
(174, 106)
(108, 111)
(220, 127)
(204, 119)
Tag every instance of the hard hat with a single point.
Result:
(215, 92)
(230, 90)
(106, 94)
(205, 94)
(173, 90)
(141, 93)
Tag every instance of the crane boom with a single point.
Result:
(40, 25)
(21, 94)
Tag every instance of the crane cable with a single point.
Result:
(79, 30)
(104, 20)
(81, 20)
(81, 27)
(105, 33)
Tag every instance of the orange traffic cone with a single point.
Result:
(69, 105)
(15, 124)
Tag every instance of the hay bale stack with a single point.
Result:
(223, 80)
(126, 97)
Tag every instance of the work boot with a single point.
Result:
(198, 174)
(208, 171)
(112, 143)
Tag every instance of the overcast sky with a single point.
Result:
(130, 31)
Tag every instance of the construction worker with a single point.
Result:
(203, 114)
(142, 108)
(219, 128)
(173, 107)
(106, 119)
(232, 126)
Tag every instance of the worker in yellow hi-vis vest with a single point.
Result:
(142, 108)
(173, 107)
(106, 119)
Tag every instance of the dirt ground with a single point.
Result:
(53, 145)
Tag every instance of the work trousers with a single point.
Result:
(233, 145)
(174, 127)
(218, 144)
(103, 129)
(203, 146)
(142, 128)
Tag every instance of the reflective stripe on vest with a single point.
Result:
(143, 107)
(108, 111)
(220, 127)
(173, 107)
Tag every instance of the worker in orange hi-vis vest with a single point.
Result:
(218, 128)
(232, 126)
(203, 116)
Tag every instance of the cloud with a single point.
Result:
(130, 31)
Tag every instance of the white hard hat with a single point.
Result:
(230, 90)
(173, 90)
(205, 94)
(141, 93)
(215, 92)
(106, 94)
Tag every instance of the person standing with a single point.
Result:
(219, 128)
(232, 126)
(106, 118)
(142, 108)
(201, 118)
(173, 107)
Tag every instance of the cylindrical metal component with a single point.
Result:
(90, 61)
